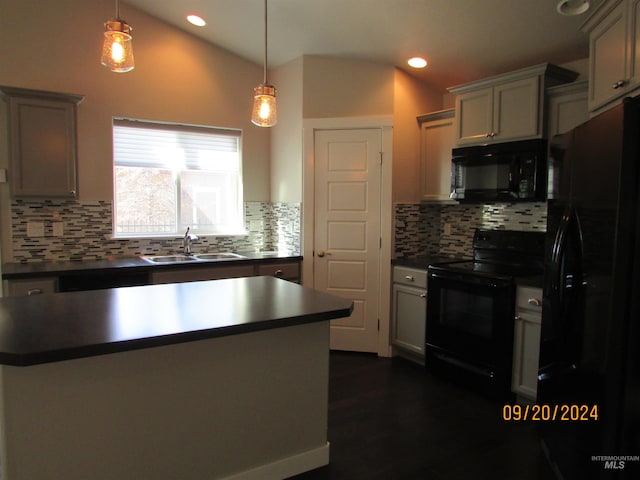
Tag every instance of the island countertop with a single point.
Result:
(64, 326)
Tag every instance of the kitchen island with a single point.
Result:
(201, 380)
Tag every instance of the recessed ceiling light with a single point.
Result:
(196, 20)
(572, 7)
(417, 62)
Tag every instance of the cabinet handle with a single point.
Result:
(34, 291)
(423, 295)
(618, 84)
(408, 278)
(278, 273)
(536, 302)
(491, 134)
(72, 193)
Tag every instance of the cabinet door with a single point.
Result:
(526, 350)
(42, 129)
(567, 110)
(409, 318)
(633, 33)
(437, 139)
(608, 58)
(516, 107)
(474, 116)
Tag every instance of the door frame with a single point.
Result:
(385, 124)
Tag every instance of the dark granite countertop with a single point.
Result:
(64, 326)
(44, 268)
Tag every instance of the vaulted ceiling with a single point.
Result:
(463, 40)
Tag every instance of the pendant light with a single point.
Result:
(117, 49)
(264, 112)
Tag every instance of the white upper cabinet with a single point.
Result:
(42, 142)
(567, 107)
(614, 52)
(505, 107)
(437, 141)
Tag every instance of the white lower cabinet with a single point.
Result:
(526, 342)
(409, 312)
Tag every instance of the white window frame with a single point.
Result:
(126, 153)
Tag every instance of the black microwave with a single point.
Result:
(503, 172)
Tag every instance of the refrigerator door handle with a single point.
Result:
(557, 258)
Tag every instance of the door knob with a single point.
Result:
(322, 253)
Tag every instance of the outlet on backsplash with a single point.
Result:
(35, 228)
(58, 229)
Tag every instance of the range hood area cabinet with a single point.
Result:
(614, 58)
(505, 107)
(436, 142)
(42, 142)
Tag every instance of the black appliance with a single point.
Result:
(471, 309)
(589, 346)
(506, 172)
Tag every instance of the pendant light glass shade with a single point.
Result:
(117, 48)
(264, 112)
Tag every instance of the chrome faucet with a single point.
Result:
(189, 238)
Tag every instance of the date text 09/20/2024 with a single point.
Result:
(550, 413)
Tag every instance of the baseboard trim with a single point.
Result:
(287, 467)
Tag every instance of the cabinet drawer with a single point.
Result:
(19, 288)
(410, 276)
(529, 298)
(290, 271)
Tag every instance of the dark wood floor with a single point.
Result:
(391, 420)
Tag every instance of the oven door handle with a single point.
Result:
(471, 279)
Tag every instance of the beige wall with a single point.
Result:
(338, 87)
(286, 136)
(411, 98)
(55, 45)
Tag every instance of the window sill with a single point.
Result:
(242, 233)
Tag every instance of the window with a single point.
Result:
(169, 177)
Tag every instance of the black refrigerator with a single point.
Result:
(589, 363)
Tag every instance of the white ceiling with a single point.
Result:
(463, 40)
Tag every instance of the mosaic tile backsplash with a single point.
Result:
(88, 232)
(420, 228)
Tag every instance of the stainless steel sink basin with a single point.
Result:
(217, 256)
(200, 257)
(170, 258)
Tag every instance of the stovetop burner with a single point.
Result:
(501, 254)
(493, 269)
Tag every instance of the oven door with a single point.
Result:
(470, 321)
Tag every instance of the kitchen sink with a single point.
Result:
(217, 256)
(200, 257)
(170, 258)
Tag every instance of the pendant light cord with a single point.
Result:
(265, 42)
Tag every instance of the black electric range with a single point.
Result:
(471, 309)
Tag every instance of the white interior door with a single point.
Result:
(347, 230)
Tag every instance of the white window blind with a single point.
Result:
(168, 177)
